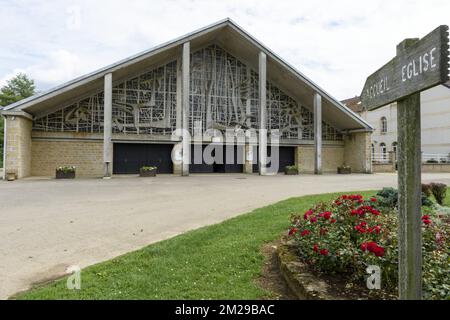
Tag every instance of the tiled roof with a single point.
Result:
(354, 104)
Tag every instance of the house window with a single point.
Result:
(394, 147)
(383, 151)
(373, 152)
(383, 125)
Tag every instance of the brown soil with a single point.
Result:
(271, 278)
(272, 281)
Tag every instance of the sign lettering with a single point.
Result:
(422, 65)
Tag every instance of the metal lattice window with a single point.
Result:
(223, 95)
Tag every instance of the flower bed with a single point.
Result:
(67, 172)
(345, 236)
(148, 171)
(291, 170)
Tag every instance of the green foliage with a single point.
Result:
(388, 198)
(291, 168)
(16, 89)
(345, 236)
(66, 169)
(426, 189)
(439, 191)
(148, 168)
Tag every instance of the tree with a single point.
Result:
(18, 88)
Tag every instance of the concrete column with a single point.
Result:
(248, 158)
(185, 79)
(177, 158)
(317, 134)
(107, 127)
(248, 105)
(262, 113)
(179, 110)
(409, 201)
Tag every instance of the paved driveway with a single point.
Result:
(48, 225)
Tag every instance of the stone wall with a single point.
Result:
(357, 152)
(86, 156)
(436, 167)
(383, 167)
(332, 158)
(18, 145)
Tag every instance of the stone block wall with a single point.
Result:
(357, 152)
(86, 156)
(18, 145)
(332, 158)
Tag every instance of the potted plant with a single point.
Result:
(148, 171)
(291, 170)
(344, 169)
(65, 172)
(11, 175)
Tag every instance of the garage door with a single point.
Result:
(220, 153)
(286, 157)
(130, 157)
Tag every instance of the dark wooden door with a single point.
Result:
(286, 157)
(223, 164)
(130, 157)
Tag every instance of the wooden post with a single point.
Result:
(409, 187)
(317, 134)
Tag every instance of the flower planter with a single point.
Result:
(65, 175)
(344, 170)
(147, 173)
(290, 172)
(11, 176)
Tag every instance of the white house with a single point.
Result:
(435, 111)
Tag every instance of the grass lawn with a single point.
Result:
(447, 198)
(215, 262)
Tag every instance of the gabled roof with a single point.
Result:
(353, 104)
(225, 32)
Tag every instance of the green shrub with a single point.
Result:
(343, 237)
(426, 189)
(388, 198)
(439, 191)
(291, 168)
(148, 168)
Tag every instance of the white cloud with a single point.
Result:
(335, 43)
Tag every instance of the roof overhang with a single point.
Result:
(225, 33)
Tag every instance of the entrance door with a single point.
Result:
(221, 166)
(286, 157)
(130, 157)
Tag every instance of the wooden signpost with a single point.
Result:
(419, 65)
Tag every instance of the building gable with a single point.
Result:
(223, 95)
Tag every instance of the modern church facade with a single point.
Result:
(215, 100)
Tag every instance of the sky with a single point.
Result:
(337, 44)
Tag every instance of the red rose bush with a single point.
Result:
(345, 236)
